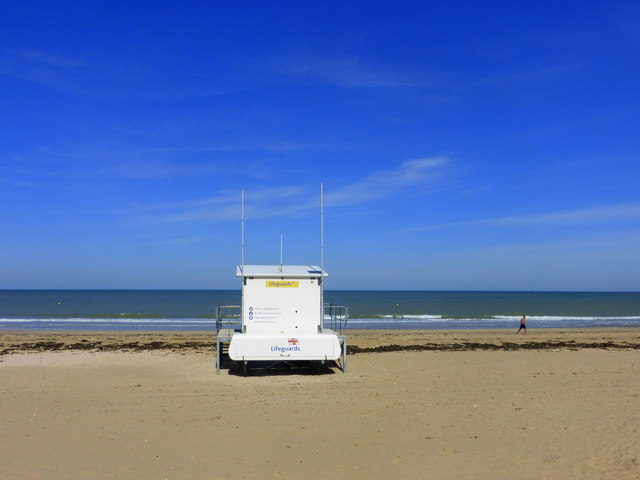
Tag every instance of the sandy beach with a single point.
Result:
(413, 404)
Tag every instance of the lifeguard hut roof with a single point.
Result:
(288, 271)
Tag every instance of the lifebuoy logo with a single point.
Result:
(293, 341)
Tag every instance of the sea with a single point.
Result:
(194, 310)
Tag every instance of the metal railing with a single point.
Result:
(335, 317)
(226, 318)
(227, 323)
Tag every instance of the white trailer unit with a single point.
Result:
(282, 315)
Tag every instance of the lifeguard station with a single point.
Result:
(282, 317)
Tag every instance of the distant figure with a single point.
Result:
(523, 324)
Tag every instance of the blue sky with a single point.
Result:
(462, 146)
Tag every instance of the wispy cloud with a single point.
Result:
(524, 42)
(126, 79)
(224, 206)
(212, 147)
(50, 59)
(138, 170)
(607, 213)
(384, 183)
(118, 78)
(551, 259)
(184, 241)
(158, 169)
(347, 72)
(49, 70)
(139, 164)
(292, 200)
(600, 214)
(520, 77)
(353, 72)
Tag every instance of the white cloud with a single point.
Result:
(600, 214)
(293, 200)
(118, 78)
(384, 183)
(49, 70)
(156, 170)
(607, 213)
(345, 72)
(54, 60)
(224, 206)
(184, 241)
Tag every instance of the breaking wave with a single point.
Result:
(371, 322)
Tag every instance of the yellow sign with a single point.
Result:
(281, 284)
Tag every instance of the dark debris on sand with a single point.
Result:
(209, 346)
(505, 346)
(99, 346)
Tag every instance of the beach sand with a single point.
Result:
(415, 404)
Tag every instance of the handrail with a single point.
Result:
(338, 315)
(222, 319)
(335, 316)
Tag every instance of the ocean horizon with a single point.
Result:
(368, 309)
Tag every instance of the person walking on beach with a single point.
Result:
(523, 324)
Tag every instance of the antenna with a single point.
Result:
(321, 227)
(281, 252)
(242, 222)
(321, 256)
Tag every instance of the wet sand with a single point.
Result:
(412, 404)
